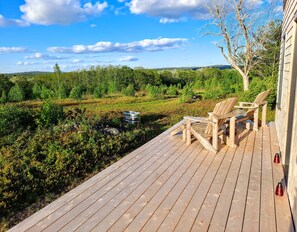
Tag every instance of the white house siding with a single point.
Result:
(285, 119)
(285, 72)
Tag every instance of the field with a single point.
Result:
(162, 112)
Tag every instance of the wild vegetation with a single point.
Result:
(56, 129)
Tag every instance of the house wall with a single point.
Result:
(286, 112)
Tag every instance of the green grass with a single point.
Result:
(164, 112)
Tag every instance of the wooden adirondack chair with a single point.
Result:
(253, 108)
(208, 130)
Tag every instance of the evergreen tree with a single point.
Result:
(16, 93)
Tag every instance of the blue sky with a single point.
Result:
(36, 34)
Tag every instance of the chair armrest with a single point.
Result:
(228, 115)
(245, 103)
(198, 119)
(247, 107)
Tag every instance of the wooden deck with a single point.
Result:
(166, 185)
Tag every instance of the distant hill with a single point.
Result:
(27, 73)
(167, 68)
(196, 68)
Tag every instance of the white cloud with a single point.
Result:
(13, 50)
(40, 56)
(63, 12)
(12, 22)
(170, 9)
(93, 25)
(75, 61)
(128, 59)
(151, 45)
(25, 63)
(167, 20)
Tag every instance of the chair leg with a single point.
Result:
(264, 112)
(185, 133)
(232, 137)
(215, 135)
(256, 119)
(188, 129)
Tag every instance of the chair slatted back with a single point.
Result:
(260, 99)
(222, 108)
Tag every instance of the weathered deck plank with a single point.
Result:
(252, 208)
(267, 214)
(221, 212)
(236, 214)
(284, 221)
(166, 185)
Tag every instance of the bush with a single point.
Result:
(62, 92)
(15, 118)
(98, 92)
(154, 91)
(3, 98)
(16, 94)
(46, 93)
(214, 94)
(172, 90)
(76, 93)
(129, 91)
(50, 114)
(51, 159)
(187, 94)
(36, 91)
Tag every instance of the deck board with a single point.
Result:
(166, 185)
(267, 214)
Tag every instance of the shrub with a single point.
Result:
(98, 92)
(15, 118)
(46, 93)
(16, 94)
(154, 91)
(112, 87)
(214, 94)
(36, 91)
(51, 159)
(62, 92)
(3, 98)
(129, 91)
(50, 114)
(187, 94)
(76, 93)
(172, 90)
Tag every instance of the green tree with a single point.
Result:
(240, 25)
(50, 114)
(3, 98)
(76, 92)
(36, 91)
(46, 93)
(16, 93)
(129, 91)
(98, 92)
(187, 94)
(57, 71)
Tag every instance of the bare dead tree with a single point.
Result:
(243, 26)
